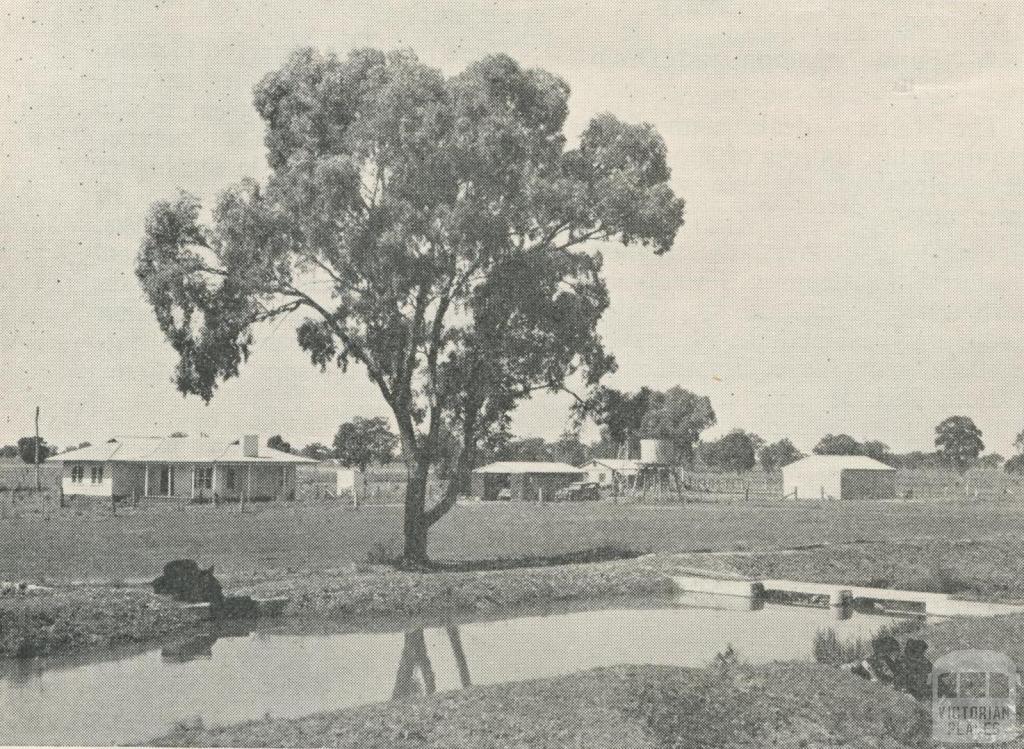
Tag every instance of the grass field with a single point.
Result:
(70, 546)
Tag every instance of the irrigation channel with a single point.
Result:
(286, 669)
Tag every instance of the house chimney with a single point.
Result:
(251, 446)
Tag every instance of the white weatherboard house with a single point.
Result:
(838, 477)
(185, 468)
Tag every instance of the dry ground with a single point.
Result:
(649, 707)
(95, 545)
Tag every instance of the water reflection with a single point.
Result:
(291, 668)
(415, 677)
(200, 645)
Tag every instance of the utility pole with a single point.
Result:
(39, 484)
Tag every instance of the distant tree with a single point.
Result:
(178, 434)
(9, 451)
(991, 460)
(1015, 464)
(277, 442)
(679, 416)
(778, 454)
(838, 444)
(735, 451)
(1018, 442)
(877, 450)
(915, 460)
(605, 447)
(316, 451)
(360, 442)
(959, 444)
(526, 448)
(569, 449)
(27, 449)
(619, 414)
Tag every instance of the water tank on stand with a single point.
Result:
(659, 452)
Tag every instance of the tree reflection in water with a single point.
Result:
(415, 677)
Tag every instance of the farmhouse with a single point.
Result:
(838, 477)
(523, 481)
(611, 471)
(187, 468)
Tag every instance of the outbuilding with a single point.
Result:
(197, 469)
(523, 481)
(607, 472)
(855, 477)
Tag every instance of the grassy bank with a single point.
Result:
(613, 708)
(364, 591)
(75, 618)
(136, 545)
(79, 618)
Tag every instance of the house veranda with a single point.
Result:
(188, 469)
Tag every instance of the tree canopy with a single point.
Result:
(838, 444)
(316, 451)
(27, 449)
(431, 229)
(1015, 464)
(360, 442)
(736, 451)
(277, 442)
(679, 416)
(778, 455)
(958, 440)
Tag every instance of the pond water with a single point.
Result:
(282, 671)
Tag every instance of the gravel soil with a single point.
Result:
(783, 705)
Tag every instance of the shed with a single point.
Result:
(854, 477)
(525, 481)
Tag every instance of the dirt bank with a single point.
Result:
(787, 705)
(74, 618)
(380, 590)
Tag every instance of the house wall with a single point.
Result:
(129, 480)
(346, 480)
(811, 482)
(868, 484)
(545, 485)
(599, 474)
(265, 481)
(86, 488)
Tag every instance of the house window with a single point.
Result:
(77, 474)
(229, 479)
(97, 474)
(204, 477)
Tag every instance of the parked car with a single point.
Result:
(581, 491)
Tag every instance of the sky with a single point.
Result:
(853, 175)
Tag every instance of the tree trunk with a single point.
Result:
(415, 524)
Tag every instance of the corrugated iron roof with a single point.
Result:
(528, 466)
(176, 450)
(618, 464)
(839, 462)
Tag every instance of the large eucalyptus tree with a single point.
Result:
(432, 230)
